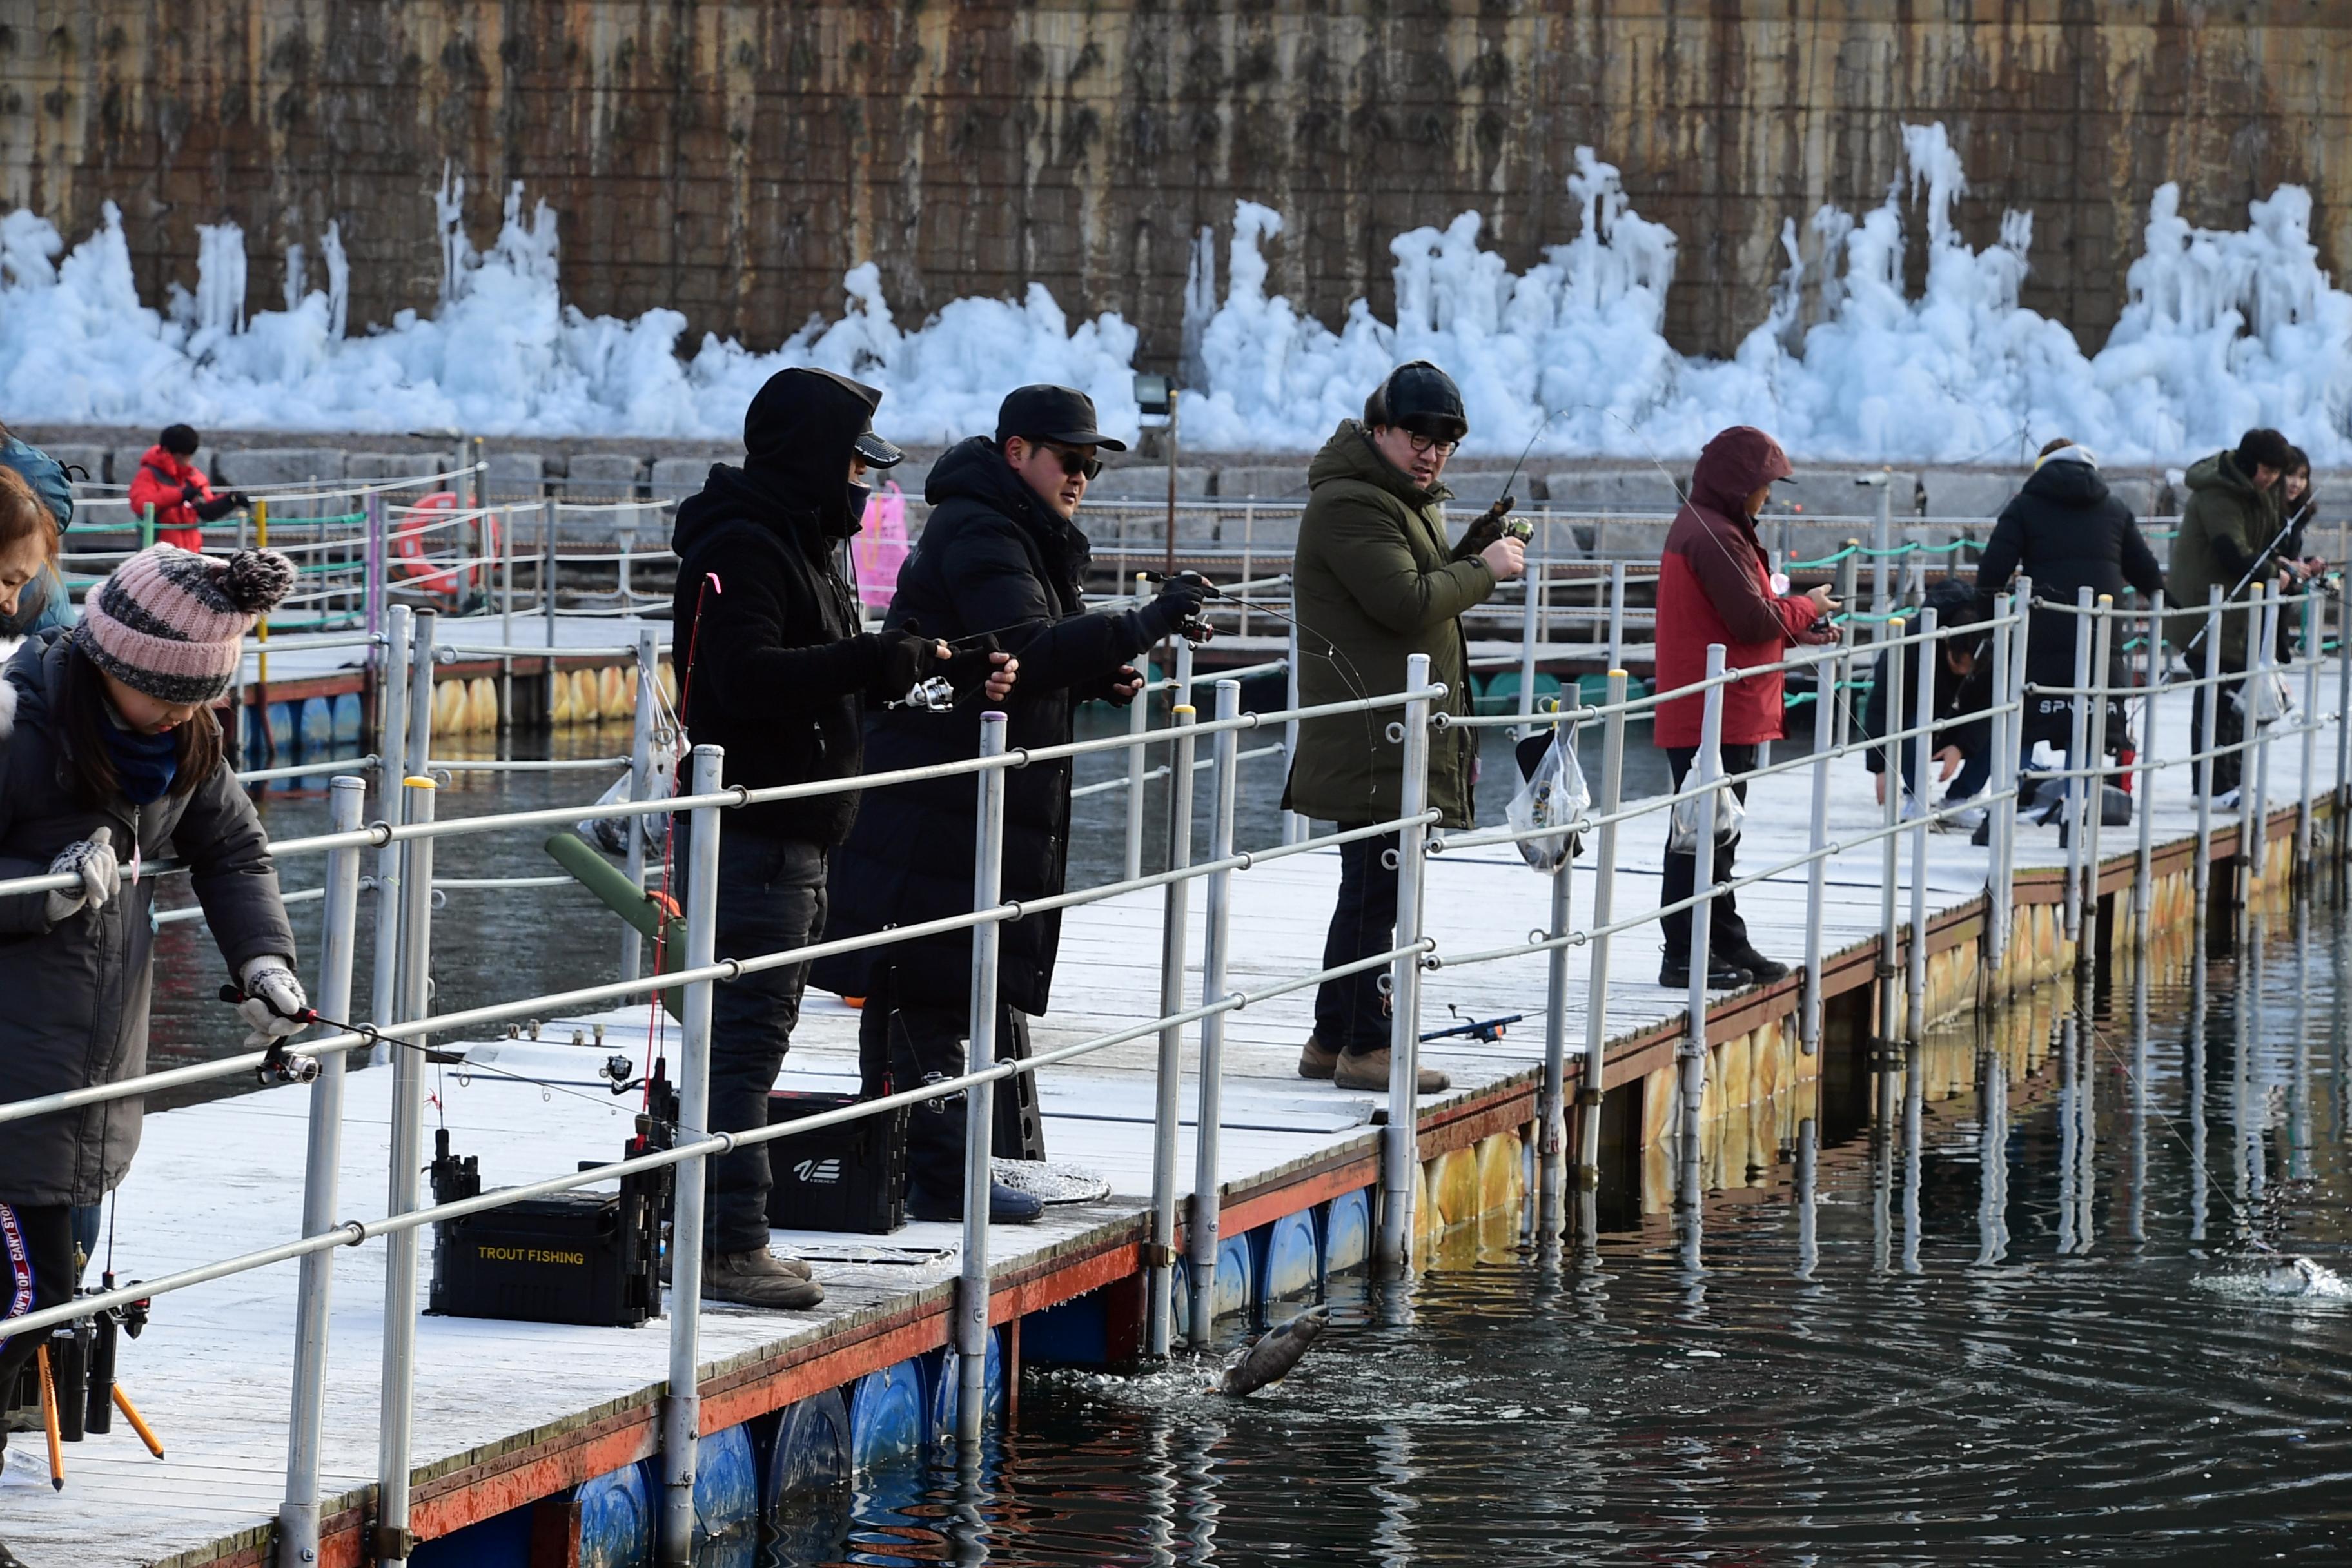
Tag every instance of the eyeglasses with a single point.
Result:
(1073, 462)
(1421, 443)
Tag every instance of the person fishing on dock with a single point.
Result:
(111, 759)
(2231, 533)
(182, 494)
(1001, 560)
(1714, 585)
(1377, 583)
(777, 672)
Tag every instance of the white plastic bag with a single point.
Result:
(2265, 699)
(611, 834)
(1682, 831)
(1552, 795)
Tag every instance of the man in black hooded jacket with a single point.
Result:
(775, 669)
(1001, 556)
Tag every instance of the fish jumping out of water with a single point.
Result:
(2299, 1276)
(1271, 1358)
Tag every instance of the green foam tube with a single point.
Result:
(625, 898)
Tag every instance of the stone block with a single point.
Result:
(89, 458)
(1147, 481)
(378, 468)
(1967, 493)
(513, 477)
(603, 476)
(293, 468)
(1637, 492)
(674, 478)
(1276, 481)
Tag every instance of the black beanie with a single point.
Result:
(181, 440)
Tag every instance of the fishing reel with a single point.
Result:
(935, 695)
(1518, 527)
(277, 1067)
(1194, 629)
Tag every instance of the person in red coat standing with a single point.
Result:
(169, 480)
(1714, 585)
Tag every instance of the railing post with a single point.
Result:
(1169, 1084)
(2144, 875)
(681, 1410)
(1551, 1109)
(2253, 747)
(1295, 826)
(1217, 949)
(372, 564)
(298, 1517)
(1594, 1076)
(2094, 792)
(641, 780)
(1890, 671)
(391, 758)
(2308, 648)
(1400, 1145)
(2202, 771)
(1883, 542)
(2078, 745)
(1528, 631)
(971, 1289)
(1826, 681)
(1617, 616)
(1923, 761)
(397, 1402)
(2343, 796)
(1692, 1055)
(1138, 723)
(2003, 775)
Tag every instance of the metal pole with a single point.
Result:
(1617, 615)
(1922, 745)
(971, 1292)
(2343, 843)
(681, 1410)
(502, 564)
(1594, 1076)
(2094, 792)
(1528, 633)
(391, 752)
(1168, 1085)
(1216, 948)
(396, 1407)
(1883, 542)
(2209, 711)
(2144, 875)
(1691, 1055)
(1138, 723)
(1294, 826)
(1551, 1111)
(2308, 651)
(2250, 750)
(641, 780)
(1401, 1143)
(1890, 671)
(298, 1517)
(421, 660)
(1825, 682)
(2078, 745)
(2004, 775)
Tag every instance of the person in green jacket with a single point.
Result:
(2230, 531)
(1376, 583)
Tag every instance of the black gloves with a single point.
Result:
(1487, 529)
(214, 508)
(1181, 599)
(901, 658)
(192, 492)
(968, 669)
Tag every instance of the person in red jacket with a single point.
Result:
(183, 498)
(1714, 585)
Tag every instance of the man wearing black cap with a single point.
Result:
(1001, 558)
(1377, 583)
(2231, 533)
(773, 668)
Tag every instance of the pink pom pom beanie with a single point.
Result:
(171, 622)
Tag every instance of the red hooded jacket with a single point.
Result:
(160, 480)
(1714, 585)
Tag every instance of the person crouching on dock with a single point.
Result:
(109, 753)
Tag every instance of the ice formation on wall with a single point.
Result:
(2225, 329)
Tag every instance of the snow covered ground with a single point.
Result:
(2224, 330)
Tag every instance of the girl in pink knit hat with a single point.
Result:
(111, 758)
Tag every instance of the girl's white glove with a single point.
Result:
(91, 859)
(274, 1003)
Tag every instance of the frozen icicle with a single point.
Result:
(296, 267)
(220, 279)
(1200, 306)
(339, 279)
(450, 214)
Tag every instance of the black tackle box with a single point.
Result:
(568, 1257)
(851, 1176)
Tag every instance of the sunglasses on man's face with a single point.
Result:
(1073, 462)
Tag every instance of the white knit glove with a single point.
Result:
(91, 859)
(274, 1004)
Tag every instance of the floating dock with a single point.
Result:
(529, 1436)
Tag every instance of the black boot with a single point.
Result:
(1763, 971)
(1721, 975)
(925, 1049)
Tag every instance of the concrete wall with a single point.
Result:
(732, 160)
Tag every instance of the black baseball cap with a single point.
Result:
(1060, 413)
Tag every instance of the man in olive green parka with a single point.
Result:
(1376, 583)
(2229, 531)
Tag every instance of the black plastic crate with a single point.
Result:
(568, 1257)
(848, 1178)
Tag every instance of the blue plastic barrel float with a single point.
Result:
(1234, 1277)
(616, 1520)
(725, 1485)
(1288, 1258)
(889, 1415)
(347, 722)
(1180, 1302)
(947, 1387)
(316, 727)
(1347, 1232)
(281, 729)
(806, 1496)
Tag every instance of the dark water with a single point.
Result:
(2040, 1337)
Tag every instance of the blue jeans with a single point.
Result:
(770, 899)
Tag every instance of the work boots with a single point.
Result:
(1369, 1069)
(1761, 970)
(756, 1278)
(1316, 1062)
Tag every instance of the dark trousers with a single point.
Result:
(37, 1270)
(1351, 1014)
(2219, 775)
(1727, 932)
(770, 899)
(1976, 772)
(903, 1044)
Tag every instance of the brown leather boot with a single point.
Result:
(759, 1279)
(1370, 1070)
(1313, 1061)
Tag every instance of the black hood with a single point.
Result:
(799, 434)
(789, 510)
(2066, 484)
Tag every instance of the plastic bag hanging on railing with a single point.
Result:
(1552, 795)
(611, 834)
(2263, 699)
(1682, 828)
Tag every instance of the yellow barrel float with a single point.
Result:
(585, 708)
(448, 707)
(558, 692)
(615, 693)
(482, 704)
